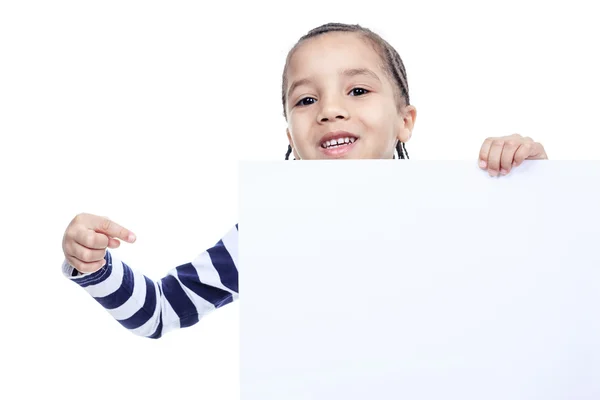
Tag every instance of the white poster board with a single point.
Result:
(419, 280)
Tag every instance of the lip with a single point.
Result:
(338, 151)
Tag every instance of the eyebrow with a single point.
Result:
(360, 71)
(350, 72)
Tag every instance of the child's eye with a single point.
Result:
(305, 101)
(358, 91)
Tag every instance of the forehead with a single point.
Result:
(332, 52)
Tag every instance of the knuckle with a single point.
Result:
(489, 142)
(485, 145)
(69, 235)
(103, 242)
(100, 240)
(81, 238)
(106, 224)
(79, 218)
(68, 248)
(85, 255)
(89, 239)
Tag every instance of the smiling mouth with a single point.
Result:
(335, 143)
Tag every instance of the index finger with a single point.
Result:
(484, 152)
(112, 229)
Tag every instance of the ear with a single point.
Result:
(291, 142)
(406, 122)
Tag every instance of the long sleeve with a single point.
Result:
(178, 300)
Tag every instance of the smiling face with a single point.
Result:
(340, 102)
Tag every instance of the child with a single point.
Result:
(345, 96)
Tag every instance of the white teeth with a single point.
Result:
(338, 142)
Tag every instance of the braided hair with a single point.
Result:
(393, 66)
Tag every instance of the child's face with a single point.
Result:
(337, 86)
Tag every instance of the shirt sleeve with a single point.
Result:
(152, 308)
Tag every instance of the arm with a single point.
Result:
(178, 300)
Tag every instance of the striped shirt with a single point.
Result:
(186, 294)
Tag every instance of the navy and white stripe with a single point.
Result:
(186, 294)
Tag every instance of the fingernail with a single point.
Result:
(482, 164)
(131, 237)
(514, 163)
(503, 171)
(493, 172)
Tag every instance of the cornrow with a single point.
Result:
(393, 65)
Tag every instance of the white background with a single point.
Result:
(141, 110)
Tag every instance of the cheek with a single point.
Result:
(299, 126)
(381, 119)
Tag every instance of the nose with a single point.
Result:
(332, 109)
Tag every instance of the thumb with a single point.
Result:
(113, 243)
(538, 152)
(112, 229)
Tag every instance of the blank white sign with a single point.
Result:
(419, 280)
